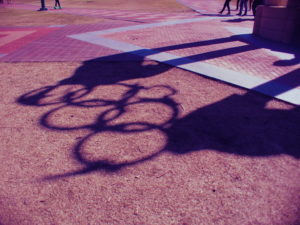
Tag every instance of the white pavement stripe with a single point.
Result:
(97, 40)
(62, 25)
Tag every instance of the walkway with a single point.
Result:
(215, 46)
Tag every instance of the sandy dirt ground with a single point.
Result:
(128, 151)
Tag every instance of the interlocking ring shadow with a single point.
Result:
(77, 91)
(237, 124)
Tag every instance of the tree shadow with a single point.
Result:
(238, 124)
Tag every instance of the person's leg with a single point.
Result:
(223, 7)
(228, 6)
(241, 7)
(254, 8)
(246, 7)
(250, 4)
(57, 4)
(237, 4)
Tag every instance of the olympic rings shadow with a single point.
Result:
(77, 91)
(238, 124)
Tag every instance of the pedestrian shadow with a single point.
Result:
(238, 124)
(216, 15)
(238, 20)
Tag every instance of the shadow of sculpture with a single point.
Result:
(238, 124)
(102, 71)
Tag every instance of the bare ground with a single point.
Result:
(140, 142)
(46, 179)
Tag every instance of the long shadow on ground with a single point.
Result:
(238, 124)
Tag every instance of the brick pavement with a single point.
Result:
(123, 15)
(203, 7)
(212, 42)
(57, 47)
(218, 47)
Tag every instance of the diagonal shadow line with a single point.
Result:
(198, 57)
(212, 54)
(253, 43)
(277, 86)
(249, 39)
(198, 43)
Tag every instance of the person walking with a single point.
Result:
(226, 5)
(57, 5)
(243, 5)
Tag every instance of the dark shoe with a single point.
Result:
(239, 14)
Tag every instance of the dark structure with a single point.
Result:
(278, 20)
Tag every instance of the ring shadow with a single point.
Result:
(238, 124)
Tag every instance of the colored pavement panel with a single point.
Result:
(12, 40)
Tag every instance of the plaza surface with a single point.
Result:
(147, 117)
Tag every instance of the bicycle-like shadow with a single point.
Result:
(238, 124)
